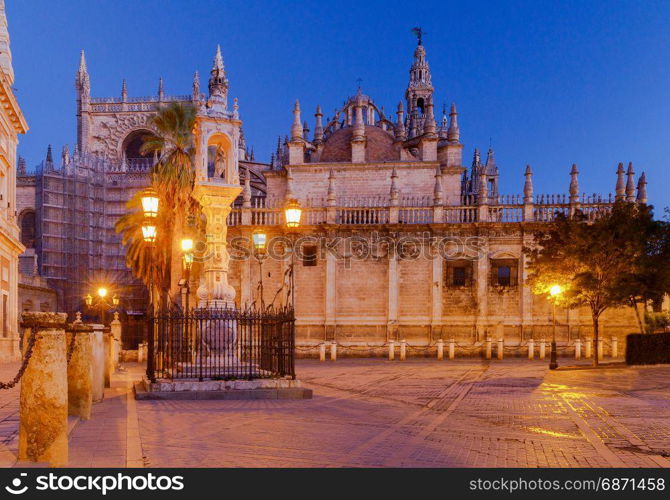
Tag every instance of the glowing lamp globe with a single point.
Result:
(293, 211)
(150, 203)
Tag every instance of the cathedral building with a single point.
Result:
(12, 123)
(398, 238)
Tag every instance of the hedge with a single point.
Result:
(647, 349)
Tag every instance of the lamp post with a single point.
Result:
(187, 250)
(259, 240)
(150, 204)
(292, 213)
(554, 291)
(100, 303)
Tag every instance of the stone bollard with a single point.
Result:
(43, 401)
(322, 352)
(333, 351)
(488, 348)
(587, 349)
(452, 348)
(141, 352)
(578, 348)
(98, 356)
(115, 327)
(391, 350)
(543, 348)
(600, 349)
(440, 349)
(80, 373)
(109, 357)
(615, 347)
(501, 347)
(403, 350)
(531, 349)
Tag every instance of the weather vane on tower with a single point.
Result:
(418, 32)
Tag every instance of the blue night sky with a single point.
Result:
(549, 83)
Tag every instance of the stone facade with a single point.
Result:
(12, 123)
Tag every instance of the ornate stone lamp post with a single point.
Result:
(187, 250)
(555, 291)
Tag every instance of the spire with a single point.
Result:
(630, 184)
(124, 91)
(620, 183)
(21, 169)
(574, 184)
(196, 87)
(5, 52)
(318, 129)
(65, 155)
(454, 132)
(400, 124)
(429, 121)
(246, 192)
(443, 133)
(296, 129)
(438, 194)
(483, 189)
(305, 130)
(161, 93)
(394, 187)
(331, 197)
(528, 186)
(50, 157)
(642, 189)
(420, 88)
(82, 80)
(218, 83)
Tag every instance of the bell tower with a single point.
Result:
(419, 93)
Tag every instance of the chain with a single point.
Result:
(70, 348)
(24, 364)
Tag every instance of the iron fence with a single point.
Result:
(221, 344)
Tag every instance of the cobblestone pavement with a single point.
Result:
(425, 413)
(372, 412)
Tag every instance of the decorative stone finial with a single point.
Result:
(394, 187)
(400, 133)
(246, 193)
(196, 87)
(438, 194)
(574, 184)
(124, 91)
(454, 133)
(528, 186)
(642, 189)
(331, 197)
(161, 92)
(630, 184)
(77, 316)
(296, 129)
(318, 129)
(620, 183)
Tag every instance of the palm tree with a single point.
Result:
(173, 177)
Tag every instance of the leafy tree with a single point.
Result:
(173, 178)
(599, 264)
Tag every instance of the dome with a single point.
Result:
(379, 148)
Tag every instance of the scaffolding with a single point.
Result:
(78, 249)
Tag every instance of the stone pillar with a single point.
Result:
(526, 295)
(403, 350)
(452, 345)
(322, 352)
(482, 268)
(488, 348)
(440, 349)
(501, 347)
(246, 294)
(587, 349)
(331, 291)
(391, 350)
(80, 373)
(333, 351)
(531, 349)
(108, 340)
(43, 402)
(578, 348)
(98, 357)
(115, 328)
(140, 352)
(543, 348)
(615, 347)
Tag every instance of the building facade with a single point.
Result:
(398, 238)
(12, 123)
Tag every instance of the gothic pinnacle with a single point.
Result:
(296, 129)
(438, 194)
(124, 91)
(574, 184)
(620, 183)
(630, 184)
(318, 129)
(400, 134)
(454, 132)
(642, 189)
(528, 186)
(50, 157)
(161, 93)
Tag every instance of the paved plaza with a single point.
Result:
(377, 413)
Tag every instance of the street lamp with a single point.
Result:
(292, 213)
(259, 238)
(150, 202)
(555, 291)
(187, 250)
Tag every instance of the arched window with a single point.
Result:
(420, 104)
(132, 147)
(28, 228)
